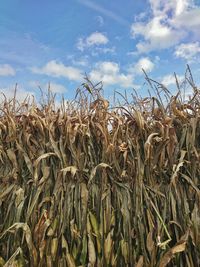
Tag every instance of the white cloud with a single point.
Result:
(156, 34)
(94, 39)
(58, 69)
(82, 61)
(54, 87)
(58, 88)
(6, 70)
(188, 51)
(21, 94)
(143, 63)
(140, 16)
(106, 50)
(77, 60)
(103, 50)
(188, 19)
(176, 6)
(169, 79)
(170, 22)
(109, 73)
(109, 67)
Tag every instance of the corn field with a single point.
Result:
(90, 184)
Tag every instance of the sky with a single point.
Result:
(61, 41)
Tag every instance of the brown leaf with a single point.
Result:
(179, 247)
(140, 262)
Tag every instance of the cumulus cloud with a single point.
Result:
(109, 73)
(156, 35)
(6, 70)
(169, 23)
(143, 63)
(188, 51)
(94, 39)
(58, 69)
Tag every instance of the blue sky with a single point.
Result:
(58, 41)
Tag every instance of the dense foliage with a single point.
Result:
(91, 185)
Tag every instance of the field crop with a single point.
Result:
(91, 184)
